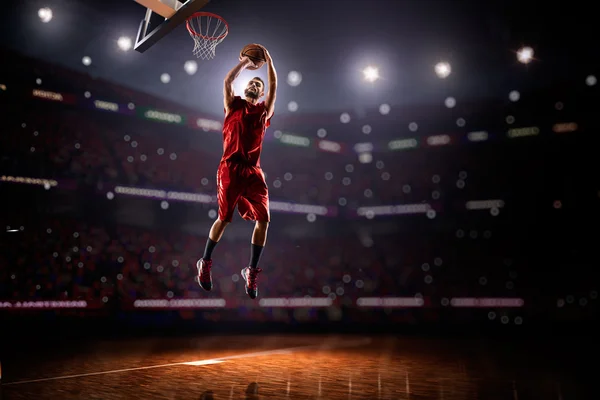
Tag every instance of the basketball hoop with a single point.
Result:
(206, 38)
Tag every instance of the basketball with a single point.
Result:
(255, 53)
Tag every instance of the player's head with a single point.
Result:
(255, 88)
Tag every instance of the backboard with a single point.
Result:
(162, 16)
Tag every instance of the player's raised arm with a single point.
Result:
(272, 76)
(228, 93)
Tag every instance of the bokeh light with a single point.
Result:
(294, 78)
(124, 43)
(525, 55)
(443, 70)
(45, 14)
(190, 67)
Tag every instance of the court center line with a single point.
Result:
(203, 362)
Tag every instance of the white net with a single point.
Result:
(207, 30)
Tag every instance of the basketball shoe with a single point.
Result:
(204, 276)
(250, 276)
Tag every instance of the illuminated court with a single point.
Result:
(292, 367)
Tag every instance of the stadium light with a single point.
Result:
(124, 43)
(442, 70)
(371, 74)
(45, 14)
(525, 55)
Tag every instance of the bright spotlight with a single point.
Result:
(371, 74)
(525, 55)
(86, 61)
(442, 70)
(190, 67)
(124, 43)
(45, 14)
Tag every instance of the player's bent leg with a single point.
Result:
(228, 194)
(254, 205)
(216, 231)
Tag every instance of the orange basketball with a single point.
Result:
(255, 53)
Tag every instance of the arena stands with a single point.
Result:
(436, 214)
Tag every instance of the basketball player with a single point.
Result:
(240, 180)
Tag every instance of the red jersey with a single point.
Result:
(243, 131)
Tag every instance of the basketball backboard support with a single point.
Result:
(162, 16)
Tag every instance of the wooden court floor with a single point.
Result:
(289, 367)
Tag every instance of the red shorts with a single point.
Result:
(244, 186)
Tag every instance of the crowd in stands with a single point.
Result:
(91, 147)
(115, 265)
(70, 259)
